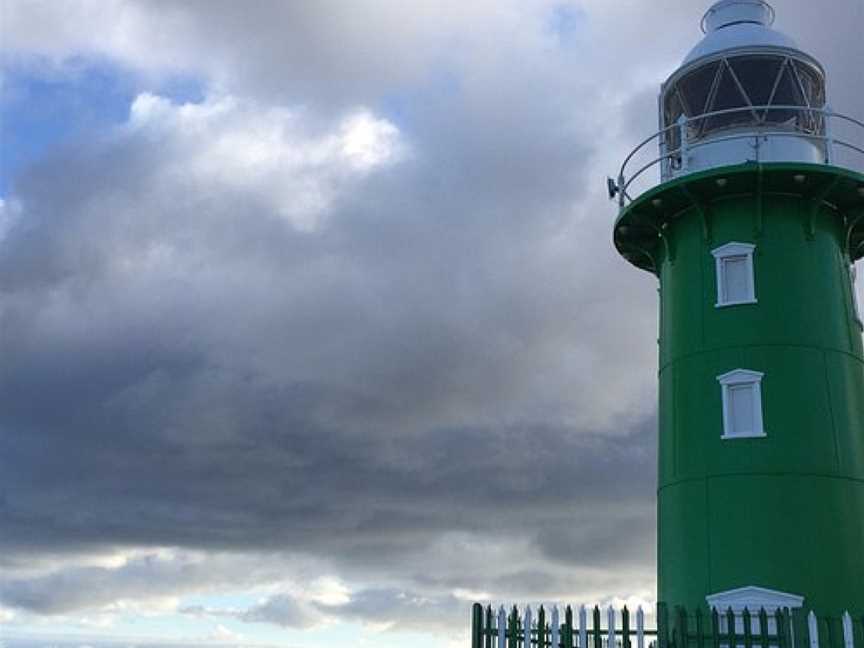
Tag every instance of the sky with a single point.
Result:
(312, 327)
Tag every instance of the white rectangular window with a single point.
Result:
(735, 280)
(741, 405)
(741, 392)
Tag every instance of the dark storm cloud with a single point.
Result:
(412, 367)
(447, 365)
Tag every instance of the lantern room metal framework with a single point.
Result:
(753, 233)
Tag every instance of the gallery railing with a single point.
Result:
(677, 143)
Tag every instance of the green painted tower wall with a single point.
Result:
(784, 512)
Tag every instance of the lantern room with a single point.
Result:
(746, 92)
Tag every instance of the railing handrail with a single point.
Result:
(761, 130)
(738, 136)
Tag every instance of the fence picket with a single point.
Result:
(541, 628)
(583, 627)
(625, 628)
(514, 629)
(763, 628)
(700, 630)
(782, 621)
(848, 631)
(662, 626)
(502, 627)
(731, 630)
(568, 628)
(555, 627)
(813, 630)
(598, 639)
(830, 635)
(748, 628)
(681, 629)
(715, 628)
(476, 626)
(489, 615)
(640, 628)
(527, 629)
(610, 627)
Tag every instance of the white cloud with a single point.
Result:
(239, 144)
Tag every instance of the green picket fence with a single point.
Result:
(782, 628)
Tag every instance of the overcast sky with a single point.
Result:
(312, 328)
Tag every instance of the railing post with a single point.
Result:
(829, 135)
(684, 147)
(477, 626)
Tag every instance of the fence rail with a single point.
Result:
(782, 628)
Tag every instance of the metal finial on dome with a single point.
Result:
(735, 12)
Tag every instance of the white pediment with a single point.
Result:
(753, 598)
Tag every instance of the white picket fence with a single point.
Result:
(622, 629)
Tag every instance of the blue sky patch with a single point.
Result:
(566, 21)
(43, 106)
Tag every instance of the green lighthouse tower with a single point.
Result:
(753, 233)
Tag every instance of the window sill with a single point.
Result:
(736, 303)
(754, 435)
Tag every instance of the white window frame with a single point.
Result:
(742, 378)
(722, 255)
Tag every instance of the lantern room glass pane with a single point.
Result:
(814, 85)
(673, 111)
(696, 86)
(728, 97)
(788, 94)
(757, 74)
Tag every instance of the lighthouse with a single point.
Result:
(753, 232)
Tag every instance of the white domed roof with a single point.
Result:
(740, 35)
